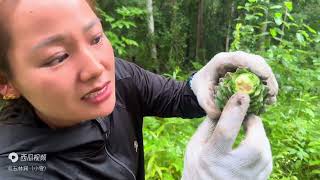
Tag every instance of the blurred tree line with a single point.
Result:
(175, 37)
(188, 31)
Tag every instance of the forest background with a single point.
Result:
(177, 37)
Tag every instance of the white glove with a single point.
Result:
(204, 81)
(210, 155)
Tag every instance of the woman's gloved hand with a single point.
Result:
(203, 82)
(210, 155)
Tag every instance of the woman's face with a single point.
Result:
(59, 55)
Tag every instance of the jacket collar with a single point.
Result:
(25, 132)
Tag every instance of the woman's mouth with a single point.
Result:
(99, 95)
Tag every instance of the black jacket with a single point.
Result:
(109, 147)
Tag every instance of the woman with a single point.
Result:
(75, 111)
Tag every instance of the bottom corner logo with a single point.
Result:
(13, 157)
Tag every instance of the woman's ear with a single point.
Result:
(9, 91)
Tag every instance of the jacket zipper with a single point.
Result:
(119, 162)
(106, 135)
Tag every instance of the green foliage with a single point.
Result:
(176, 74)
(286, 33)
(291, 46)
(165, 141)
(116, 27)
(170, 23)
(292, 126)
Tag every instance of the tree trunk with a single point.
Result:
(264, 28)
(151, 29)
(200, 29)
(173, 25)
(283, 25)
(231, 7)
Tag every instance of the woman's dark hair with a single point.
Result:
(6, 107)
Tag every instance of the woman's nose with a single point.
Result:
(92, 67)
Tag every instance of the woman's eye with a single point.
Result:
(97, 40)
(57, 60)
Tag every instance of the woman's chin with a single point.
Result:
(106, 108)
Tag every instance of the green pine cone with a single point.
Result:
(246, 82)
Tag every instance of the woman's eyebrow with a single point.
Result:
(61, 37)
(91, 24)
(50, 40)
